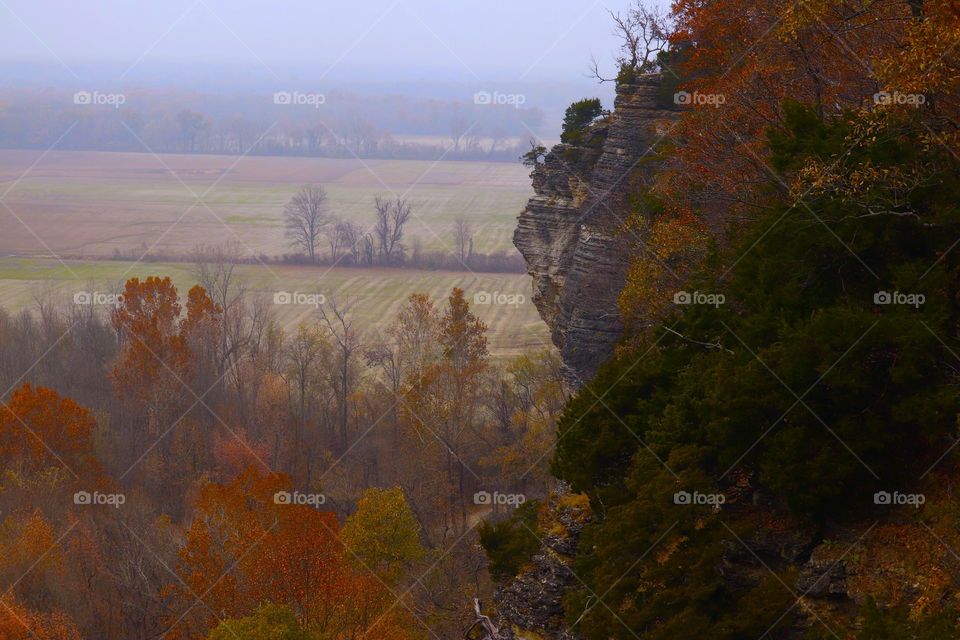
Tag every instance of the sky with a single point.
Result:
(473, 41)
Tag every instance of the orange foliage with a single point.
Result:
(19, 623)
(245, 548)
(156, 343)
(40, 429)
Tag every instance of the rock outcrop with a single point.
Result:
(530, 606)
(571, 233)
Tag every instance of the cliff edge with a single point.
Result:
(571, 232)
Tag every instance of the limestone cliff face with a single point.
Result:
(571, 232)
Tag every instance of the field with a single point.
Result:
(93, 204)
(371, 295)
(86, 206)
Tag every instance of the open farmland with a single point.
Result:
(96, 204)
(372, 295)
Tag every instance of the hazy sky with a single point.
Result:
(443, 40)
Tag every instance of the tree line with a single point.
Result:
(343, 126)
(318, 236)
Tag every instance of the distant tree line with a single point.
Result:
(343, 126)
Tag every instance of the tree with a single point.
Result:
(308, 358)
(392, 215)
(163, 376)
(350, 236)
(40, 430)
(347, 341)
(577, 117)
(511, 543)
(20, 623)
(258, 559)
(463, 236)
(644, 33)
(191, 124)
(383, 533)
(305, 217)
(264, 549)
(445, 401)
(269, 622)
(534, 157)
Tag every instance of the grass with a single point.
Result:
(373, 296)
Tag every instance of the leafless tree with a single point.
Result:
(334, 238)
(305, 216)
(347, 342)
(346, 237)
(392, 216)
(463, 235)
(459, 127)
(369, 250)
(644, 33)
(242, 320)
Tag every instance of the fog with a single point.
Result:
(206, 55)
(470, 41)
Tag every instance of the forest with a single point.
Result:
(185, 468)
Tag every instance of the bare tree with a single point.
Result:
(305, 217)
(463, 235)
(459, 127)
(392, 216)
(350, 236)
(347, 343)
(369, 251)
(644, 33)
(335, 238)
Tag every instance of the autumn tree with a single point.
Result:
(269, 622)
(17, 622)
(42, 432)
(383, 534)
(308, 359)
(442, 407)
(164, 375)
(246, 548)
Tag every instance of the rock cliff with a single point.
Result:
(571, 233)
